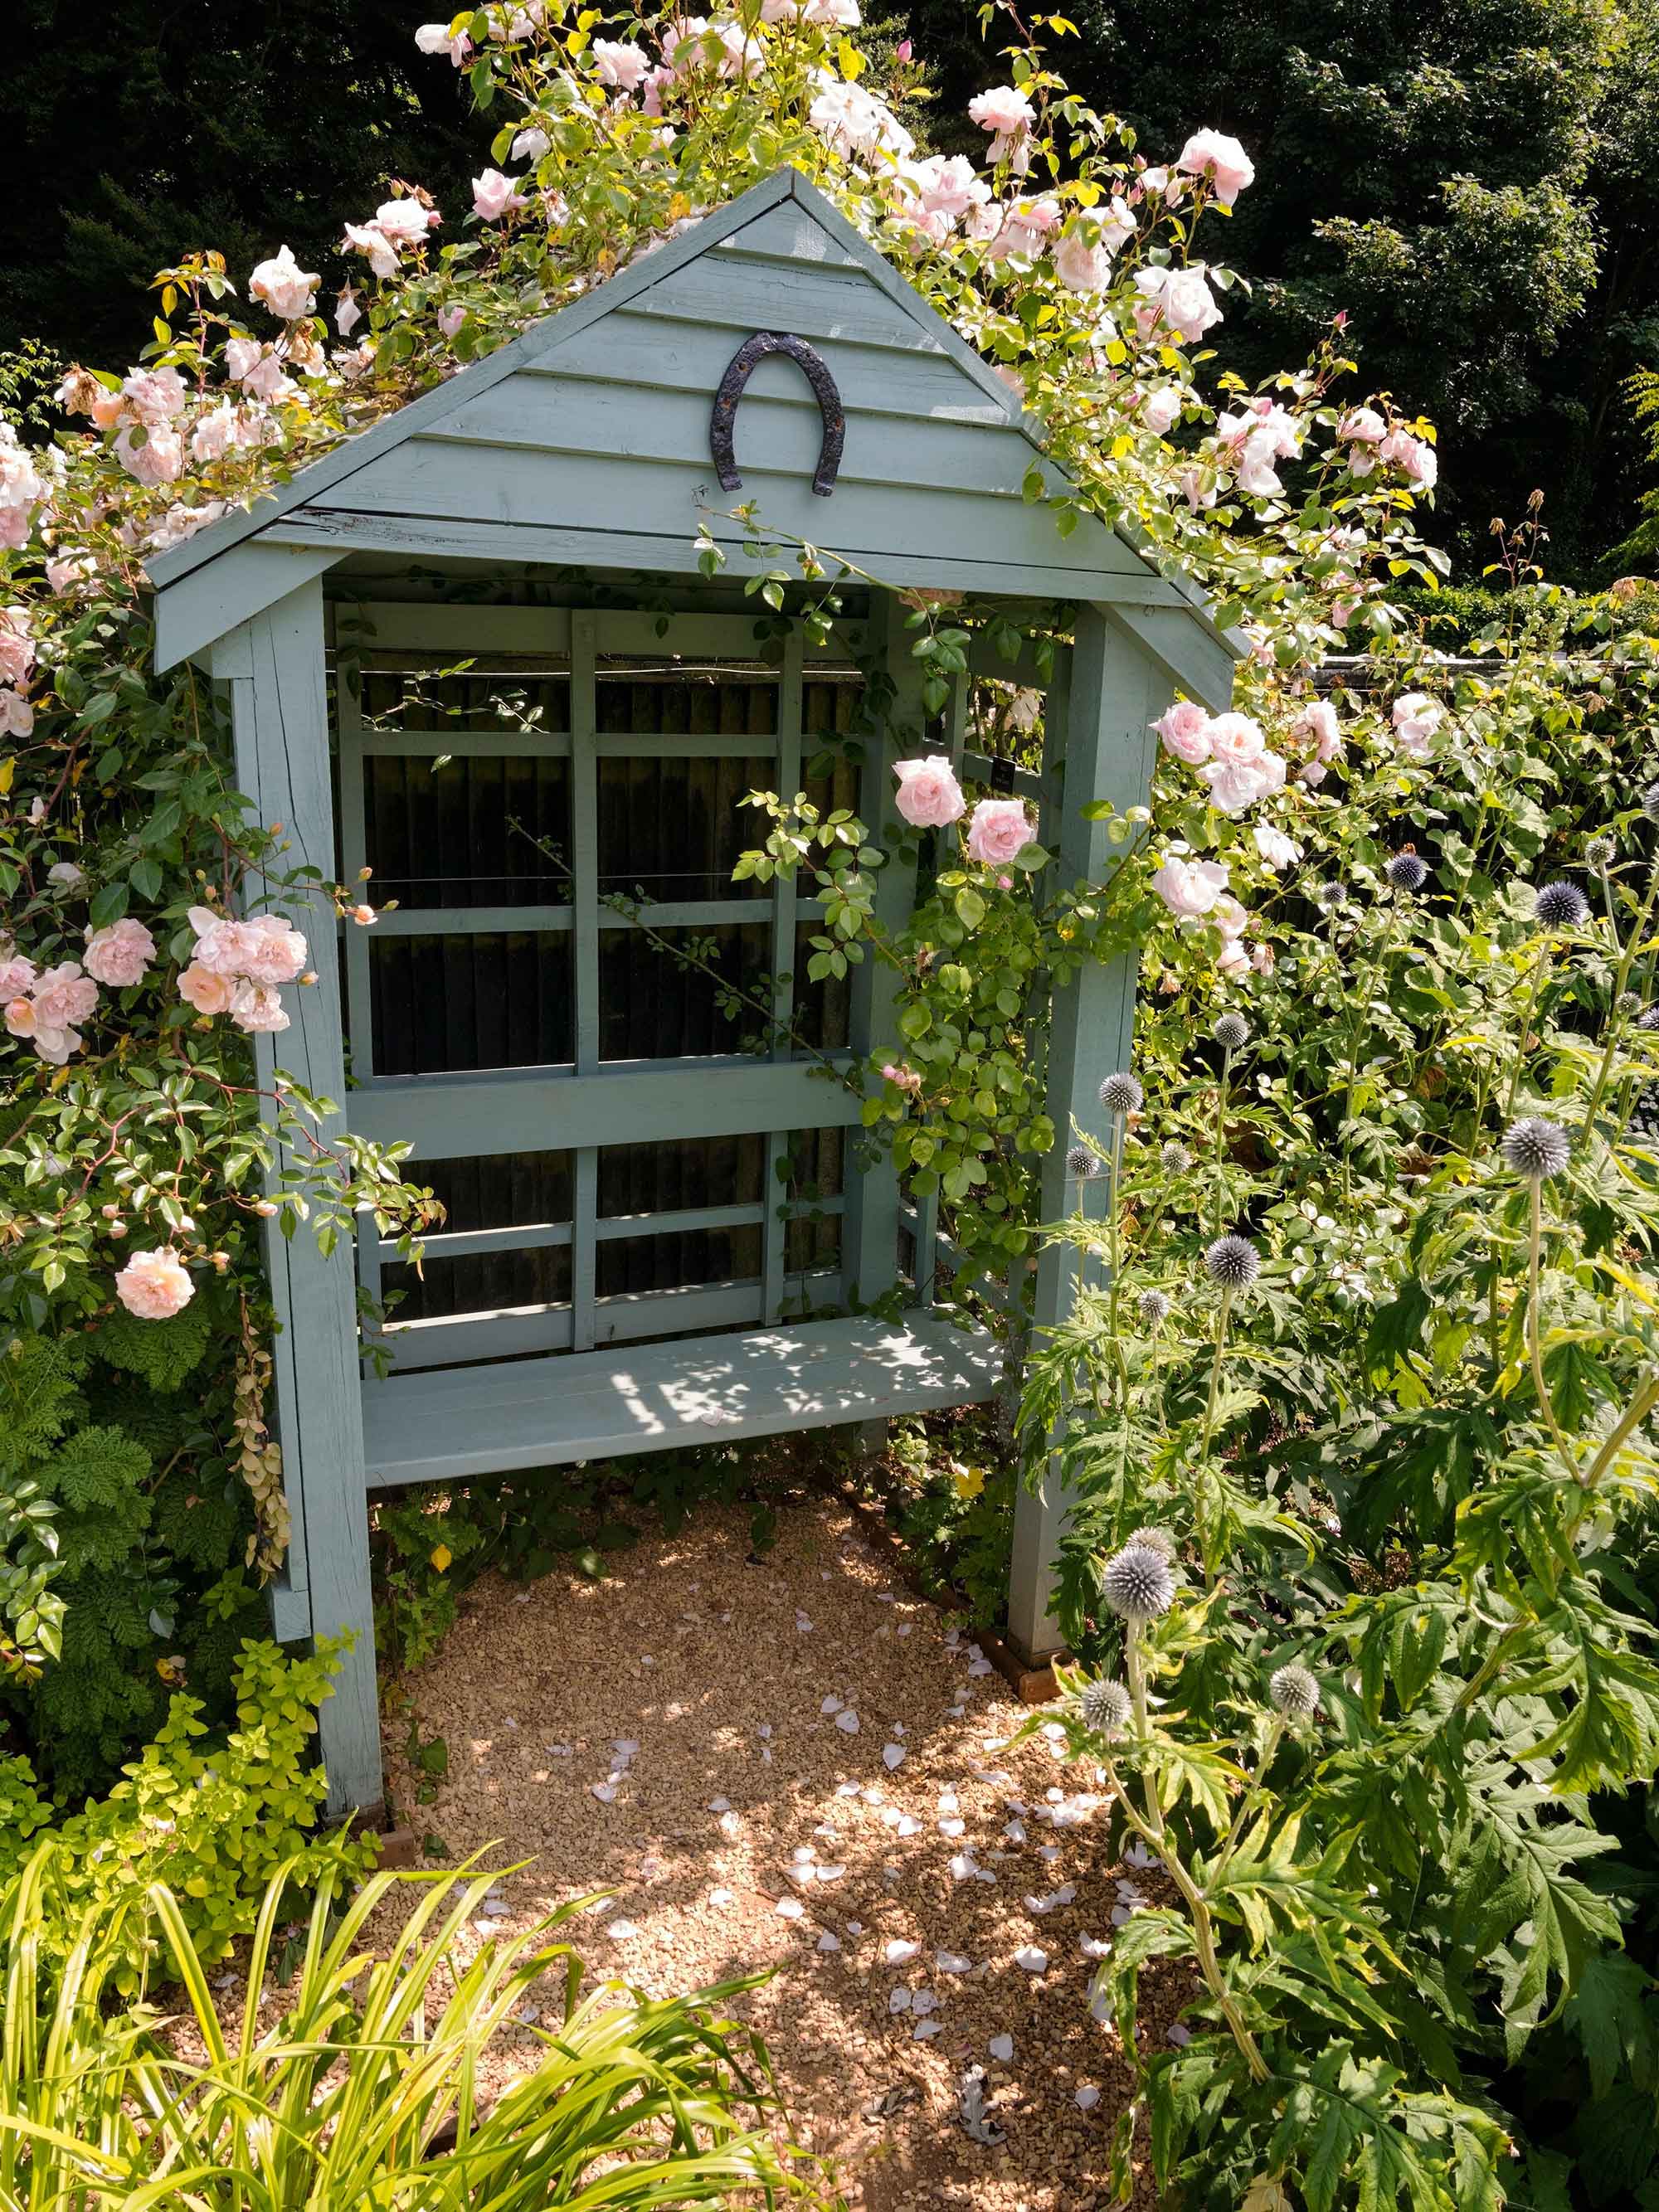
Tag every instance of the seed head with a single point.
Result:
(1649, 1018)
(1156, 1539)
(1153, 1308)
(1083, 1164)
(1650, 802)
(1331, 895)
(1121, 1094)
(1599, 853)
(1627, 1003)
(1295, 1692)
(1231, 1032)
(1176, 1157)
(1139, 1582)
(1535, 1148)
(1406, 872)
(1561, 906)
(1104, 1707)
(1233, 1262)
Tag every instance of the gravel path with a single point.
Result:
(792, 1762)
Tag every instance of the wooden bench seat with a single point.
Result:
(438, 1425)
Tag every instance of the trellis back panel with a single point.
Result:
(657, 1229)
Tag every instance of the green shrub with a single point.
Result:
(364, 2093)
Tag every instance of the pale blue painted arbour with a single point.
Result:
(539, 512)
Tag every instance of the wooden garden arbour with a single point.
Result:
(551, 494)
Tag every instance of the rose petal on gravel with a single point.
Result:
(790, 1908)
(899, 1949)
(1002, 2047)
(892, 1755)
(848, 1722)
(925, 2030)
(952, 1962)
(1033, 1959)
(829, 1943)
(1087, 2098)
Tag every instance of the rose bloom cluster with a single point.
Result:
(930, 797)
(1196, 892)
(1229, 751)
(238, 965)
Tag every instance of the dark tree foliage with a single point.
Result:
(1472, 180)
(138, 129)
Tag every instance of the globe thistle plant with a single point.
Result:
(1083, 1165)
(1233, 1263)
(1153, 1308)
(1155, 1540)
(1535, 1148)
(1626, 1004)
(1648, 1018)
(1650, 802)
(1599, 853)
(1331, 895)
(1294, 1692)
(1561, 906)
(1176, 1157)
(1103, 1707)
(1121, 1094)
(1231, 1032)
(1406, 872)
(1138, 1583)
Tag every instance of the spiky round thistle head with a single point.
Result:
(1330, 895)
(1083, 1165)
(1536, 1148)
(1156, 1539)
(1295, 1692)
(1139, 1582)
(1232, 1262)
(1231, 1032)
(1627, 1003)
(1406, 872)
(1121, 1094)
(1650, 802)
(1561, 906)
(1103, 1707)
(1599, 853)
(1176, 1157)
(1648, 1018)
(1153, 1308)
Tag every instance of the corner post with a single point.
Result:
(1115, 692)
(870, 1223)
(279, 709)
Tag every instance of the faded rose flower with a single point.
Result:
(156, 456)
(155, 395)
(1415, 718)
(17, 715)
(1000, 829)
(1236, 738)
(1160, 411)
(928, 796)
(119, 954)
(206, 990)
(155, 1286)
(259, 1009)
(438, 39)
(16, 976)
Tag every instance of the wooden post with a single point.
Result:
(870, 1222)
(1116, 693)
(279, 708)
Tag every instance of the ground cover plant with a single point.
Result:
(1355, 1401)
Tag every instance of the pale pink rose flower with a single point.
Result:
(1160, 411)
(1026, 226)
(621, 63)
(63, 996)
(437, 38)
(20, 1017)
(1189, 888)
(158, 460)
(368, 238)
(908, 1078)
(1363, 426)
(1233, 959)
(529, 145)
(347, 313)
(832, 15)
(450, 320)
(221, 945)
(1236, 738)
(69, 569)
(1229, 917)
(153, 395)
(1313, 774)
(215, 434)
(56, 1045)
(928, 796)
(108, 408)
(17, 715)
(16, 976)
(493, 195)
(1416, 717)
(1235, 785)
(949, 185)
(1081, 265)
(405, 221)
(1000, 828)
(1317, 723)
(364, 916)
(277, 952)
(208, 992)
(20, 483)
(155, 1286)
(286, 289)
(67, 875)
(1185, 730)
(1415, 457)
(259, 1009)
(1004, 109)
(16, 645)
(1343, 613)
(119, 954)
(854, 121)
(1212, 154)
(240, 356)
(1179, 296)
(1262, 960)
(266, 381)
(1197, 490)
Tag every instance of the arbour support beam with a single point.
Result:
(274, 668)
(1116, 691)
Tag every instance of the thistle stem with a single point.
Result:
(1221, 1136)
(1115, 1227)
(1537, 985)
(1621, 982)
(1199, 1514)
(1534, 1248)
